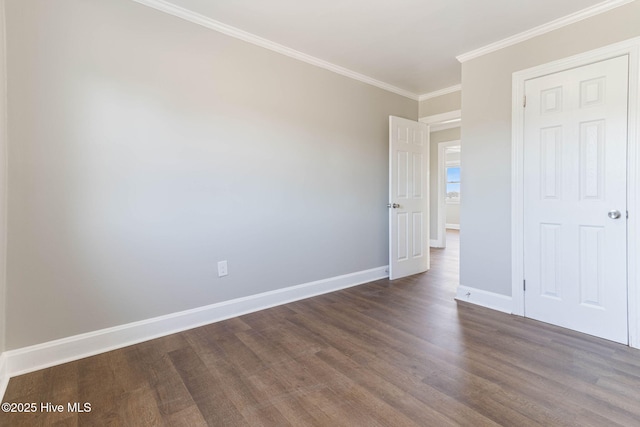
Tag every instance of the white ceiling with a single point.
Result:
(409, 44)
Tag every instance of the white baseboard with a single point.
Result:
(484, 298)
(4, 375)
(40, 356)
(435, 243)
(452, 226)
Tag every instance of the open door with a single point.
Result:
(408, 197)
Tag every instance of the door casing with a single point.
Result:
(436, 123)
(632, 49)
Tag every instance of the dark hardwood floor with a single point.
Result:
(381, 354)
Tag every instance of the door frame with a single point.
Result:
(631, 48)
(435, 123)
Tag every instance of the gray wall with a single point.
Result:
(435, 139)
(485, 240)
(440, 104)
(453, 214)
(144, 148)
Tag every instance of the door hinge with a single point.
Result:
(524, 101)
(524, 285)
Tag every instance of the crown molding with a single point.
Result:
(440, 92)
(196, 18)
(545, 28)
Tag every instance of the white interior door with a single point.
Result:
(409, 197)
(575, 162)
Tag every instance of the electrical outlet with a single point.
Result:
(222, 268)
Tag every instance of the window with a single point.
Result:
(452, 193)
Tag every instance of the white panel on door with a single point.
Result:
(592, 92)
(403, 134)
(592, 160)
(418, 229)
(418, 176)
(403, 175)
(551, 155)
(551, 100)
(403, 236)
(550, 258)
(591, 262)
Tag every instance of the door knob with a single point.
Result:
(614, 214)
(394, 206)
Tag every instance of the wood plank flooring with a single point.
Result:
(381, 354)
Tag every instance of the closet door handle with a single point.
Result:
(615, 214)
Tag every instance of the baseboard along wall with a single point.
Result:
(40, 356)
(4, 375)
(484, 298)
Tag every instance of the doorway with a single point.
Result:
(443, 128)
(449, 190)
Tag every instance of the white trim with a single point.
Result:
(452, 226)
(441, 118)
(4, 179)
(484, 298)
(633, 198)
(40, 356)
(544, 28)
(196, 18)
(629, 47)
(434, 243)
(438, 122)
(4, 375)
(445, 91)
(447, 125)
